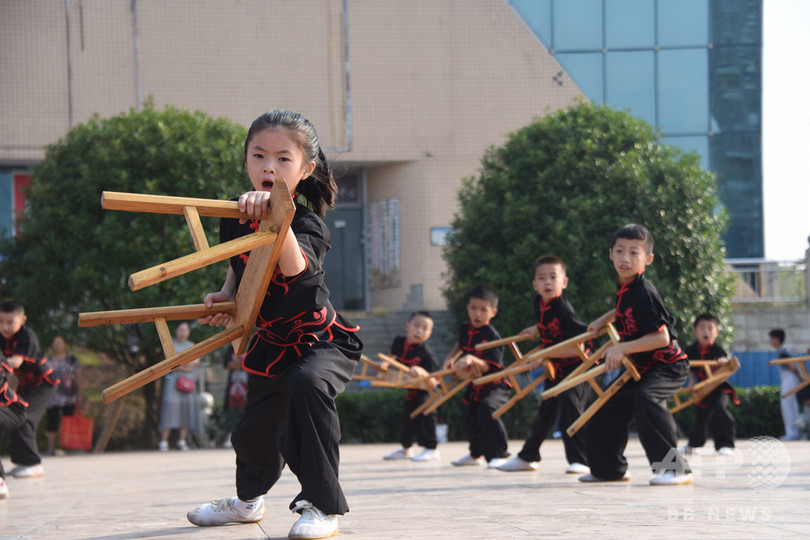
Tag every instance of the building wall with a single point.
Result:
(432, 85)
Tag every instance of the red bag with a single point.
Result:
(237, 395)
(76, 432)
(184, 384)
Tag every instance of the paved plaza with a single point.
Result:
(761, 492)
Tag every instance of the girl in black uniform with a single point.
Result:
(303, 353)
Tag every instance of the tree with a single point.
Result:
(562, 185)
(73, 257)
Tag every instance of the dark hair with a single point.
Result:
(319, 188)
(549, 259)
(634, 231)
(777, 333)
(420, 313)
(482, 292)
(705, 317)
(12, 306)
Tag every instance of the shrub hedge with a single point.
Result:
(374, 416)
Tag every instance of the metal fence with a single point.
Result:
(774, 282)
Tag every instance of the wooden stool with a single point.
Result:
(589, 376)
(534, 359)
(264, 246)
(716, 374)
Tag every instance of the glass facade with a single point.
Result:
(691, 68)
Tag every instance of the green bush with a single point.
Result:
(758, 413)
(374, 416)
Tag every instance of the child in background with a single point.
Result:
(303, 352)
(788, 379)
(488, 442)
(37, 383)
(556, 322)
(12, 408)
(713, 409)
(646, 328)
(411, 350)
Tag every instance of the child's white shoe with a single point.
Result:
(514, 464)
(670, 478)
(577, 468)
(428, 454)
(313, 523)
(222, 511)
(469, 461)
(400, 453)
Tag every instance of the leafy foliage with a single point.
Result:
(73, 257)
(562, 185)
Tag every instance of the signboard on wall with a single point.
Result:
(384, 264)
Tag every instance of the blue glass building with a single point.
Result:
(691, 68)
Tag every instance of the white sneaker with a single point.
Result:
(670, 478)
(496, 462)
(725, 451)
(517, 464)
(222, 511)
(401, 453)
(428, 454)
(590, 478)
(182, 445)
(32, 471)
(577, 468)
(163, 446)
(685, 450)
(313, 523)
(469, 461)
(3, 489)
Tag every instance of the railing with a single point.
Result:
(762, 281)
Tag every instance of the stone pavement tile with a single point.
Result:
(761, 492)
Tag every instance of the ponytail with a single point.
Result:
(319, 188)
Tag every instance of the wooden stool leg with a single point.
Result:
(518, 396)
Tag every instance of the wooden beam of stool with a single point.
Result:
(799, 361)
(143, 315)
(529, 359)
(700, 390)
(630, 373)
(168, 365)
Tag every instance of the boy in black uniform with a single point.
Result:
(411, 350)
(12, 408)
(646, 328)
(487, 435)
(556, 322)
(36, 386)
(713, 410)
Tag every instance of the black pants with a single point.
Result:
(11, 419)
(569, 405)
(646, 401)
(54, 418)
(292, 419)
(421, 429)
(487, 435)
(24, 450)
(717, 418)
